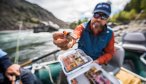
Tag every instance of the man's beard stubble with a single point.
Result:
(97, 26)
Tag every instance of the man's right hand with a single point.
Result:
(12, 72)
(60, 40)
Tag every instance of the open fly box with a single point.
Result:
(73, 61)
(80, 69)
(92, 74)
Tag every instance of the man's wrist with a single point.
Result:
(96, 61)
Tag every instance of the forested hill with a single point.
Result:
(134, 10)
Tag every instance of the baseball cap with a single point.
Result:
(103, 7)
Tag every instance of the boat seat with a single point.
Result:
(134, 41)
(116, 62)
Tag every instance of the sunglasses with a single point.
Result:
(100, 15)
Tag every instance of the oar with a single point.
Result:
(38, 58)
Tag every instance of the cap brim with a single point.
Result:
(102, 12)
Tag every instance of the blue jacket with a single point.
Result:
(4, 61)
(94, 45)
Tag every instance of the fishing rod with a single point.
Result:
(38, 58)
(14, 81)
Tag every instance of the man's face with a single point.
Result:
(98, 21)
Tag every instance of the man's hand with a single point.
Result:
(13, 71)
(61, 41)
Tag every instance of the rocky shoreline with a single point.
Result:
(133, 26)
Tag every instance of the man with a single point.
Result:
(9, 71)
(96, 39)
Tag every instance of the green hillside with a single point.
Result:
(134, 10)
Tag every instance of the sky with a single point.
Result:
(73, 10)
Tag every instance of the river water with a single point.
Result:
(30, 44)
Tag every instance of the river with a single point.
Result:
(30, 44)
